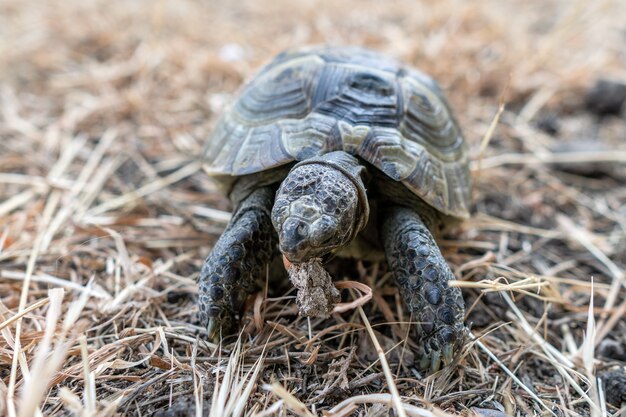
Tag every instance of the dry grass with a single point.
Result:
(105, 221)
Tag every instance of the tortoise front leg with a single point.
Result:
(422, 276)
(237, 261)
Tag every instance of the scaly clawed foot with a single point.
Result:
(439, 348)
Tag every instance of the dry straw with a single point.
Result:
(105, 216)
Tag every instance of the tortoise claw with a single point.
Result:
(432, 362)
(435, 362)
(437, 355)
(212, 328)
(448, 354)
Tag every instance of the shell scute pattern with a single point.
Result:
(261, 149)
(358, 96)
(283, 92)
(313, 101)
(309, 137)
(428, 121)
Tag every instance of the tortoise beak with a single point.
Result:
(293, 239)
(294, 257)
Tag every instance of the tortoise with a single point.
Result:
(340, 150)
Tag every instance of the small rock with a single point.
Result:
(231, 52)
(548, 123)
(614, 383)
(612, 349)
(606, 97)
(486, 412)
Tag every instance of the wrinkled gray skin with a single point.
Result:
(314, 212)
(319, 208)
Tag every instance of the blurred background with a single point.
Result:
(105, 104)
(166, 67)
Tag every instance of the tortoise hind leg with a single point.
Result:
(422, 276)
(237, 260)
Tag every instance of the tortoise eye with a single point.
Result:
(325, 240)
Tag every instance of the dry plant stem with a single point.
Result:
(24, 312)
(534, 105)
(17, 353)
(46, 364)
(101, 103)
(289, 400)
(610, 323)
(487, 137)
(619, 278)
(563, 365)
(52, 280)
(34, 389)
(17, 201)
(581, 237)
(587, 353)
(347, 406)
(367, 295)
(510, 373)
(88, 380)
(158, 184)
(395, 396)
(272, 410)
(551, 158)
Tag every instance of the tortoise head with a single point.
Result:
(318, 208)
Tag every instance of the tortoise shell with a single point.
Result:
(309, 102)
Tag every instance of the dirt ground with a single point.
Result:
(105, 218)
